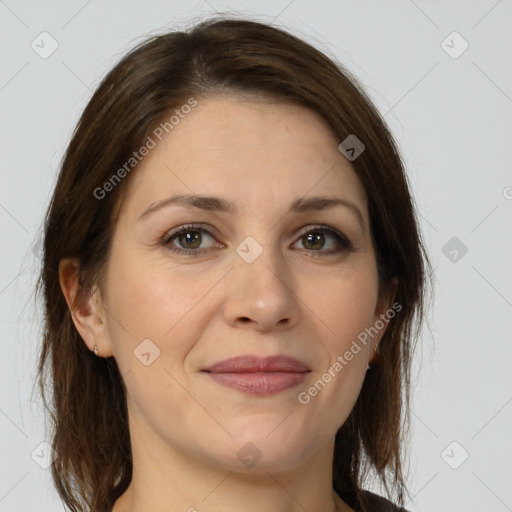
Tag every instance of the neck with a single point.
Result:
(167, 478)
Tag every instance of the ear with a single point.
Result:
(87, 311)
(384, 312)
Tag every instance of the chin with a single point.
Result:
(256, 451)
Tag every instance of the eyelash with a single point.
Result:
(344, 242)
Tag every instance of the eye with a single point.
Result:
(188, 240)
(316, 238)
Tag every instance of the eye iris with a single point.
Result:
(317, 239)
(190, 237)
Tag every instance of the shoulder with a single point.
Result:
(379, 504)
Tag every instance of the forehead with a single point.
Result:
(245, 150)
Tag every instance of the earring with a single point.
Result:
(95, 350)
(376, 350)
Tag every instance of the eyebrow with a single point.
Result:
(216, 204)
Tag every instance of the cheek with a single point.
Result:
(345, 309)
(345, 303)
(155, 302)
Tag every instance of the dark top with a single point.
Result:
(379, 504)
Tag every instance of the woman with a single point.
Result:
(232, 267)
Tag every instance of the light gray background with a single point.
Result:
(452, 118)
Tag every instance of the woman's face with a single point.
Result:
(271, 267)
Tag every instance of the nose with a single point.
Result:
(260, 294)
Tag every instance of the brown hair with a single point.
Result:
(90, 434)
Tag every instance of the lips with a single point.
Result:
(253, 364)
(258, 375)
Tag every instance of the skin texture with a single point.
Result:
(187, 429)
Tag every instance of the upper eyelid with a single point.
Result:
(301, 231)
(187, 227)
